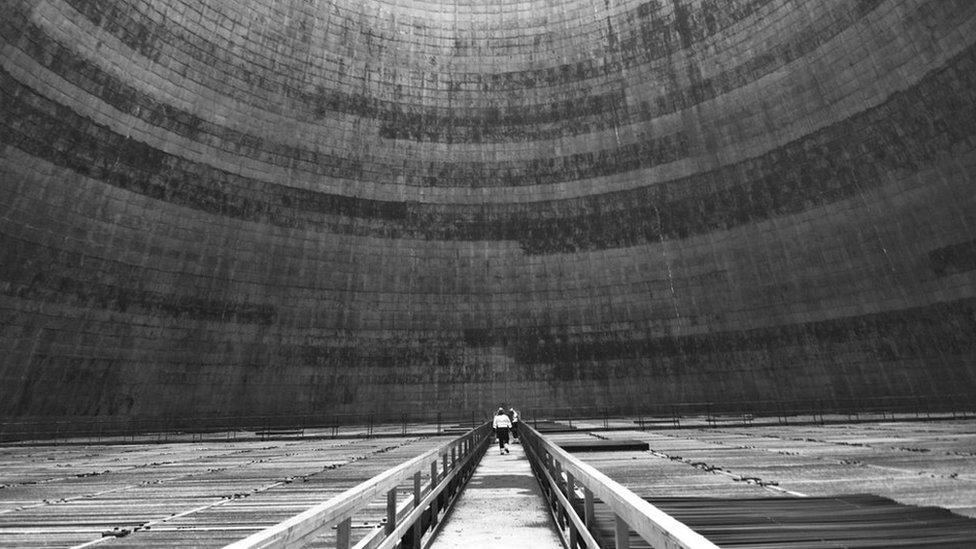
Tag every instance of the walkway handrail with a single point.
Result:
(340, 509)
(655, 526)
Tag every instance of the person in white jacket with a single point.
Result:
(502, 424)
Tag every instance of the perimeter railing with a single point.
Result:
(766, 412)
(97, 429)
(572, 486)
(406, 522)
(663, 415)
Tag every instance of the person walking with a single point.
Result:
(515, 417)
(501, 424)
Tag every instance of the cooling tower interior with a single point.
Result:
(302, 207)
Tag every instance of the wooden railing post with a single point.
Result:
(557, 475)
(391, 511)
(621, 534)
(588, 507)
(433, 484)
(571, 497)
(417, 533)
(417, 490)
(343, 532)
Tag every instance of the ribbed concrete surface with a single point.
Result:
(502, 507)
(319, 207)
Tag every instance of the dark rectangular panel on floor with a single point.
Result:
(860, 520)
(599, 445)
(552, 427)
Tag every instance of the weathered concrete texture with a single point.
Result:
(502, 507)
(311, 207)
(915, 463)
(185, 494)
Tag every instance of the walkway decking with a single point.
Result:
(502, 507)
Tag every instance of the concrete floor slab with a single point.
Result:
(926, 463)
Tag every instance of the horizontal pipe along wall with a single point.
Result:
(333, 206)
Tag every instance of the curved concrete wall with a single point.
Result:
(317, 206)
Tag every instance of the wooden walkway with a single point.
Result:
(502, 507)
